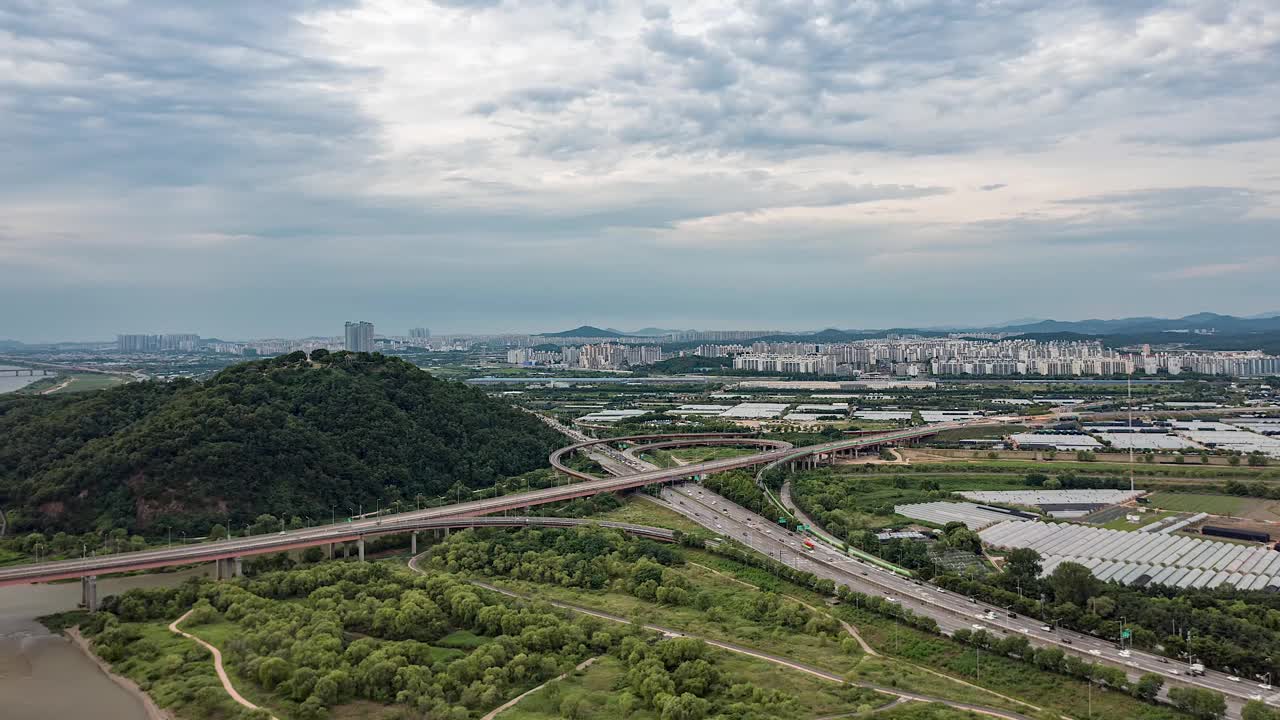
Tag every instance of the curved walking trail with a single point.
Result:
(512, 702)
(853, 632)
(217, 664)
(154, 712)
(775, 659)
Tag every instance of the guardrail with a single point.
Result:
(264, 544)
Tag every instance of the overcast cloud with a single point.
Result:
(244, 169)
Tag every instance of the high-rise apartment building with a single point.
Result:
(184, 342)
(359, 336)
(419, 333)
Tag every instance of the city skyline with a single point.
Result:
(180, 329)
(900, 165)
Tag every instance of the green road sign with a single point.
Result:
(782, 521)
(1126, 634)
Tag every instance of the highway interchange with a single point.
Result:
(951, 611)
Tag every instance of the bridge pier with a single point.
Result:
(360, 546)
(228, 568)
(89, 592)
(413, 543)
(331, 550)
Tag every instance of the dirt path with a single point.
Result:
(513, 701)
(57, 387)
(217, 664)
(869, 713)
(775, 659)
(853, 632)
(153, 711)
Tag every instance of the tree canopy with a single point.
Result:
(290, 435)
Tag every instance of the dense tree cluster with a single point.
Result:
(676, 679)
(342, 631)
(740, 487)
(1232, 630)
(320, 637)
(290, 435)
(585, 557)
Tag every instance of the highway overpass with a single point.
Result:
(449, 515)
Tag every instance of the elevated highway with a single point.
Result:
(290, 540)
(227, 550)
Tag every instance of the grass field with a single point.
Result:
(176, 673)
(1055, 693)
(702, 454)
(79, 382)
(644, 512)
(1122, 524)
(1213, 504)
(718, 625)
(592, 694)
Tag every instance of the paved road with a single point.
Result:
(275, 542)
(309, 537)
(951, 611)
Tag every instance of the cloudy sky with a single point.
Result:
(244, 168)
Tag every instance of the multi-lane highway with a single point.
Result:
(951, 611)
(292, 540)
(348, 531)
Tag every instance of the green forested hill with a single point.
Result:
(288, 436)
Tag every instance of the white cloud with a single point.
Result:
(879, 142)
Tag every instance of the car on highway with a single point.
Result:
(1046, 628)
(1233, 678)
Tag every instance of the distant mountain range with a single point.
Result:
(650, 332)
(1140, 329)
(585, 331)
(1201, 322)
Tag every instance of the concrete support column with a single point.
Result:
(346, 551)
(413, 542)
(228, 568)
(89, 592)
(331, 550)
(360, 544)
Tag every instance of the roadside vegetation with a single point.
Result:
(381, 641)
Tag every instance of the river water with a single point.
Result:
(9, 383)
(43, 676)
